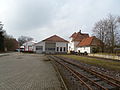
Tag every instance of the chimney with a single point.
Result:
(79, 31)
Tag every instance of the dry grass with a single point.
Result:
(97, 62)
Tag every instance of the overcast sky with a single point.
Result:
(42, 18)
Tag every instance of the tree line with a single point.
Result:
(9, 43)
(108, 31)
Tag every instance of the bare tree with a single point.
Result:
(23, 39)
(107, 31)
(99, 30)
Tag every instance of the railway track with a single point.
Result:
(85, 78)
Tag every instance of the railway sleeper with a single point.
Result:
(109, 87)
(74, 83)
(95, 79)
(88, 75)
(72, 80)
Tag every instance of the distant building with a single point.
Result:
(28, 46)
(90, 45)
(75, 39)
(81, 42)
(53, 44)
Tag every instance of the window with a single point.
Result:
(51, 49)
(39, 47)
(57, 49)
(64, 49)
(60, 49)
(84, 48)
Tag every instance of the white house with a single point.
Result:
(90, 45)
(28, 46)
(53, 44)
(75, 39)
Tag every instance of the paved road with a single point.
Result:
(27, 72)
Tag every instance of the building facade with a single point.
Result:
(75, 39)
(90, 45)
(28, 46)
(51, 45)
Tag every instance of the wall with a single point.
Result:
(39, 44)
(62, 44)
(106, 56)
(75, 44)
(29, 46)
(72, 45)
(50, 47)
(84, 49)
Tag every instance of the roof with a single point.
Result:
(29, 42)
(86, 41)
(79, 36)
(55, 38)
(22, 47)
(73, 35)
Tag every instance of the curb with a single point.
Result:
(3, 55)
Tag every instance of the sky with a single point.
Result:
(40, 19)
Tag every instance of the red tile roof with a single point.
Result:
(73, 35)
(79, 36)
(55, 38)
(86, 41)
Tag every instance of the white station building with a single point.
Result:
(51, 45)
(90, 45)
(75, 39)
(81, 42)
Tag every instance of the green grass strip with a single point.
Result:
(97, 62)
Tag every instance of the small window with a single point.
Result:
(57, 49)
(64, 49)
(60, 49)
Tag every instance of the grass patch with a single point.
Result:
(97, 62)
(112, 54)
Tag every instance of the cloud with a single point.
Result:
(42, 18)
(31, 14)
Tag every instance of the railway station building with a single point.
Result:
(82, 42)
(90, 45)
(75, 39)
(52, 45)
